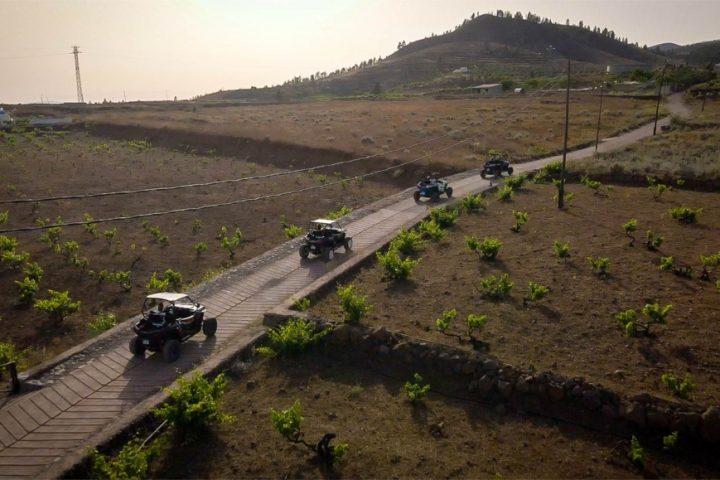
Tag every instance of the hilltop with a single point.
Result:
(491, 47)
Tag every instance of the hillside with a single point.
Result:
(699, 53)
(491, 47)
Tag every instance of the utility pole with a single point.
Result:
(597, 131)
(702, 109)
(80, 98)
(561, 187)
(659, 97)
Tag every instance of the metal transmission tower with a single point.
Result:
(80, 98)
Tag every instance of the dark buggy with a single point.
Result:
(167, 320)
(496, 166)
(323, 238)
(432, 187)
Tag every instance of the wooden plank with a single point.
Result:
(15, 471)
(77, 421)
(107, 415)
(12, 425)
(6, 438)
(96, 408)
(66, 429)
(86, 380)
(102, 369)
(23, 418)
(34, 411)
(80, 389)
(31, 452)
(96, 374)
(14, 461)
(55, 398)
(64, 392)
(45, 405)
(43, 444)
(55, 436)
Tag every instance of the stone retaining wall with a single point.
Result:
(481, 377)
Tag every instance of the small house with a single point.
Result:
(519, 90)
(6, 121)
(488, 89)
(462, 70)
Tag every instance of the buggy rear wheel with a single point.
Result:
(483, 174)
(510, 170)
(171, 350)
(416, 196)
(136, 347)
(328, 253)
(448, 191)
(435, 197)
(209, 327)
(304, 251)
(348, 244)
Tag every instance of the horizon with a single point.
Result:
(187, 49)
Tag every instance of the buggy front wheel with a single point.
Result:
(448, 190)
(328, 254)
(136, 347)
(209, 327)
(510, 170)
(171, 350)
(348, 244)
(304, 251)
(416, 196)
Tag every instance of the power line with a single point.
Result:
(254, 177)
(242, 200)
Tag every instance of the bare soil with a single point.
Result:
(573, 331)
(40, 165)
(443, 437)
(523, 126)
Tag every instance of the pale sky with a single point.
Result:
(157, 49)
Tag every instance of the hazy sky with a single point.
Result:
(154, 49)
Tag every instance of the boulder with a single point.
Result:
(485, 384)
(505, 388)
(659, 419)
(635, 413)
(710, 424)
(490, 365)
(591, 399)
(523, 384)
(555, 392)
(685, 421)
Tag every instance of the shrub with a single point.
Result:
(561, 250)
(657, 190)
(679, 388)
(396, 267)
(709, 262)
(159, 237)
(340, 212)
(51, 237)
(415, 390)
(473, 203)
(444, 217)
(170, 278)
(407, 242)
(10, 353)
(59, 306)
(442, 323)
(600, 265)
(301, 304)
(194, 405)
(103, 321)
(70, 250)
(629, 229)
(288, 422)
(627, 321)
(430, 230)
(516, 183)
(652, 241)
(7, 244)
(90, 228)
(4, 216)
(354, 305)
(292, 338)
(200, 247)
(521, 219)
(486, 249)
(34, 271)
(685, 214)
(130, 463)
(637, 452)
(27, 289)
(196, 226)
(536, 292)
(496, 287)
(475, 322)
(654, 314)
(505, 193)
(13, 259)
(232, 242)
(666, 263)
(112, 233)
(292, 231)
(591, 184)
(670, 441)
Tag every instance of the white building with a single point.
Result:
(488, 89)
(462, 70)
(6, 121)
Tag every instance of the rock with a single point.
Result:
(710, 424)
(384, 350)
(490, 365)
(469, 367)
(523, 384)
(591, 399)
(505, 388)
(609, 412)
(484, 384)
(685, 421)
(619, 373)
(635, 413)
(576, 391)
(555, 392)
(251, 384)
(381, 335)
(437, 430)
(658, 419)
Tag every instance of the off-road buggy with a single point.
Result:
(432, 187)
(168, 319)
(496, 166)
(323, 238)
